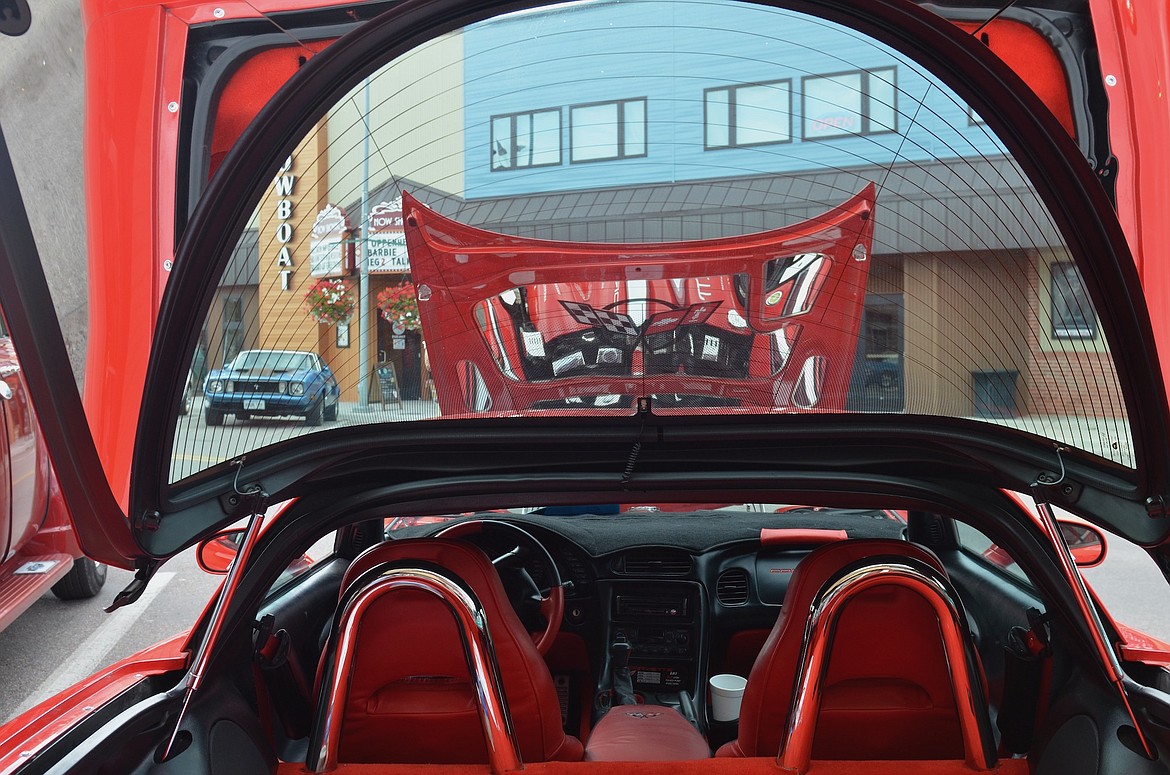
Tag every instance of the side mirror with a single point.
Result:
(1085, 542)
(215, 554)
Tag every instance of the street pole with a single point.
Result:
(364, 266)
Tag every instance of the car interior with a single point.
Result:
(936, 651)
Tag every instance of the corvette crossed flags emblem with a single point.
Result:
(624, 325)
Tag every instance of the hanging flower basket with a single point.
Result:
(330, 302)
(399, 304)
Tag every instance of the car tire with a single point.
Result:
(313, 416)
(243, 417)
(188, 401)
(85, 579)
(330, 412)
(213, 417)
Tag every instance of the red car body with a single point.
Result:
(132, 140)
(39, 546)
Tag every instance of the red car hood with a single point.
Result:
(767, 321)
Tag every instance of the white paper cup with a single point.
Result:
(726, 693)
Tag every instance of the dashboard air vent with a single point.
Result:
(732, 587)
(656, 562)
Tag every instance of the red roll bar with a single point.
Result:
(936, 590)
(503, 751)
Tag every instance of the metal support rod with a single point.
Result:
(364, 264)
(503, 749)
(1072, 574)
(195, 675)
(797, 743)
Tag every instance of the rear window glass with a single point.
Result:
(718, 206)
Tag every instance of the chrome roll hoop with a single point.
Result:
(503, 750)
(797, 743)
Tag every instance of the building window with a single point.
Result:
(607, 130)
(524, 140)
(1072, 311)
(752, 114)
(862, 102)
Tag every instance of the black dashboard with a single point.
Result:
(693, 594)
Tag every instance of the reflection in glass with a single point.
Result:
(547, 286)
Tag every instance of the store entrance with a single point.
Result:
(403, 349)
(877, 384)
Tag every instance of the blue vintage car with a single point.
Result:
(272, 383)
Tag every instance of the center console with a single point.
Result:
(662, 622)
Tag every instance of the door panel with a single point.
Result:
(28, 468)
(7, 368)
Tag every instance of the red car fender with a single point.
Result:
(32, 730)
(1137, 646)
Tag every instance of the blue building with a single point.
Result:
(618, 121)
(608, 94)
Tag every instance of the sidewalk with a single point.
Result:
(350, 413)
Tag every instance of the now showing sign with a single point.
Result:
(386, 242)
(329, 243)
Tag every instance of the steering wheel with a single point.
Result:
(523, 589)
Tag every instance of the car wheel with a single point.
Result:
(243, 416)
(188, 401)
(85, 579)
(330, 412)
(213, 417)
(313, 417)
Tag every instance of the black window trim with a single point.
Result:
(731, 122)
(621, 134)
(513, 116)
(866, 73)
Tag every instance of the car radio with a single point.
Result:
(658, 606)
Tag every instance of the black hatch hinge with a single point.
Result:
(1156, 507)
(145, 568)
(1056, 488)
(246, 501)
(148, 521)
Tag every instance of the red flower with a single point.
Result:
(330, 302)
(399, 304)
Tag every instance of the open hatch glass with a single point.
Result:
(712, 207)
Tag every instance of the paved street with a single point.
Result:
(57, 643)
(41, 97)
(1132, 589)
(198, 447)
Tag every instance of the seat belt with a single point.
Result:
(284, 678)
(1027, 671)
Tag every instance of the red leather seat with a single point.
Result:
(410, 697)
(887, 692)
